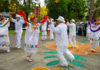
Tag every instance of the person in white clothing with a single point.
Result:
(4, 36)
(94, 36)
(49, 29)
(44, 29)
(72, 33)
(88, 31)
(62, 40)
(32, 37)
(19, 21)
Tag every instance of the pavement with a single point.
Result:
(16, 59)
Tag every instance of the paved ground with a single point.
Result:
(15, 60)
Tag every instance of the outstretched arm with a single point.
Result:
(26, 23)
(12, 20)
(55, 29)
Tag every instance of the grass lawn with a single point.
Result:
(13, 32)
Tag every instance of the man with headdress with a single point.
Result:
(19, 21)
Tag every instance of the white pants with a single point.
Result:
(60, 51)
(72, 39)
(18, 38)
(51, 35)
(44, 34)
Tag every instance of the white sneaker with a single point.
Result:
(72, 60)
(18, 47)
(64, 65)
(93, 50)
(8, 51)
(28, 59)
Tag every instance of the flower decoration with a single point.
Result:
(22, 13)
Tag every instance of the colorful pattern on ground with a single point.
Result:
(44, 68)
(77, 62)
(83, 48)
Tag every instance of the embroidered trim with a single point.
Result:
(44, 35)
(93, 39)
(30, 46)
(3, 36)
(4, 24)
(4, 45)
(35, 27)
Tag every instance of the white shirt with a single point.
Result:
(61, 34)
(18, 24)
(72, 29)
(44, 26)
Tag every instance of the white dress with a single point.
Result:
(4, 37)
(32, 38)
(94, 36)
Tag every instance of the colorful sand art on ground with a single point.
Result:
(83, 48)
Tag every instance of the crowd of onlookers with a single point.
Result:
(81, 28)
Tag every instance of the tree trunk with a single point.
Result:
(91, 8)
(24, 3)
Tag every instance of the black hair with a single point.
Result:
(32, 18)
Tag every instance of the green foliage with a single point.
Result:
(4, 5)
(66, 8)
(96, 4)
(26, 9)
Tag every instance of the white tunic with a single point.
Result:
(72, 29)
(18, 24)
(32, 38)
(94, 35)
(61, 34)
(4, 37)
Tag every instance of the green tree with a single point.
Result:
(67, 8)
(97, 3)
(4, 5)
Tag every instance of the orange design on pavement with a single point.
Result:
(83, 49)
(44, 68)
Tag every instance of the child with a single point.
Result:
(4, 37)
(31, 38)
(18, 29)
